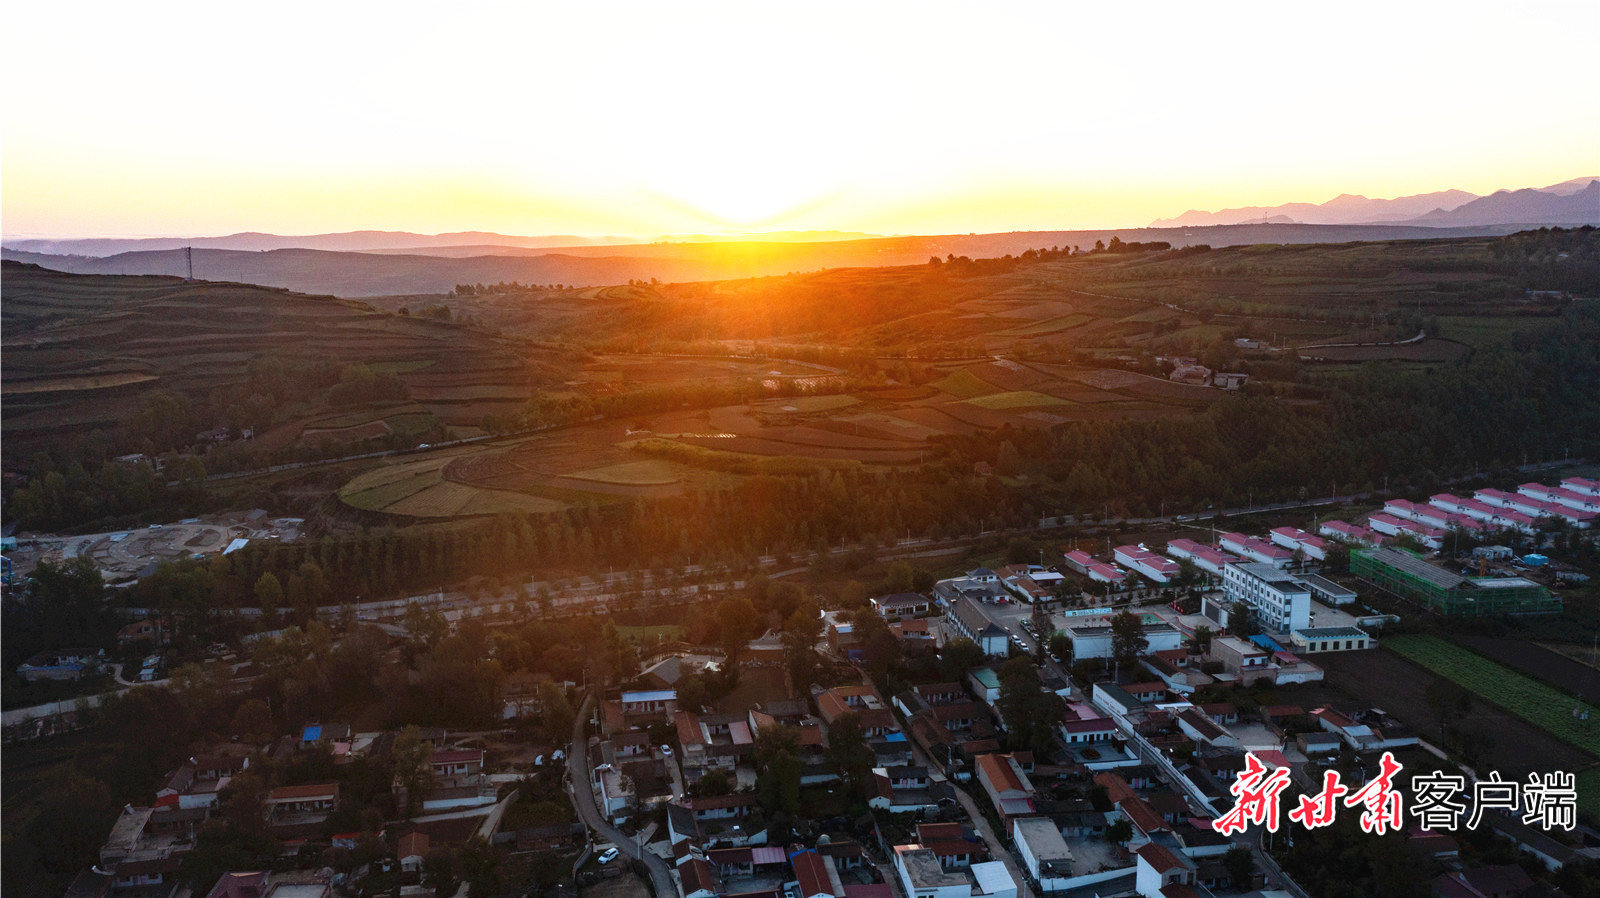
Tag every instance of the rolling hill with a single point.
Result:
(354, 274)
(86, 352)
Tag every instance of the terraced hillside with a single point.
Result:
(87, 352)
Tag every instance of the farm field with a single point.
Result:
(870, 366)
(1541, 705)
(71, 362)
(668, 452)
(1566, 674)
(1429, 350)
(1511, 745)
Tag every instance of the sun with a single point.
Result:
(742, 191)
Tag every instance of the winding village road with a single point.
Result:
(578, 773)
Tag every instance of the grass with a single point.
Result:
(1541, 705)
(1048, 326)
(649, 472)
(963, 384)
(1017, 399)
(506, 502)
(411, 422)
(820, 403)
(1483, 332)
(401, 367)
(71, 384)
(442, 500)
(380, 497)
(734, 462)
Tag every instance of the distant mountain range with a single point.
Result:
(437, 269)
(345, 241)
(456, 243)
(1569, 203)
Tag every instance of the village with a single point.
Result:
(1072, 730)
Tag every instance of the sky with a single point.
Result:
(667, 118)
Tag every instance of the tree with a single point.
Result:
(777, 758)
(959, 656)
(1060, 646)
(412, 760)
(848, 754)
(480, 867)
(1241, 867)
(425, 625)
(70, 823)
(1119, 832)
(715, 782)
(1029, 712)
(1128, 641)
(801, 630)
(557, 711)
(439, 870)
(253, 722)
(268, 592)
(1242, 621)
(1201, 639)
(901, 577)
(879, 646)
(737, 624)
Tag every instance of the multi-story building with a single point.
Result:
(1279, 600)
(967, 619)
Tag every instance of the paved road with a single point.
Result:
(997, 848)
(578, 772)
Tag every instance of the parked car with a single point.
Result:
(607, 856)
(666, 751)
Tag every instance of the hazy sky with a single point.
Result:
(155, 118)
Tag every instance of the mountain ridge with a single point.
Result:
(355, 274)
(1416, 209)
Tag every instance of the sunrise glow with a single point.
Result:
(888, 118)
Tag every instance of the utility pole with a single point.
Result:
(188, 258)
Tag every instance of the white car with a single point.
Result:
(609, 855)
(666, 751)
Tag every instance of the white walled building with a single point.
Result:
(1091, 638)
(1257, 549)
(1201, 556)
(1146, 563)
(1280, 601)
(1293, 538)
(1349, 533)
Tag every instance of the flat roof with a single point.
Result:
(1503, 582)
(1270, 573)
(923, 868)
(1323, 584)
(1332, 633)
(992, 878)
(654, 695)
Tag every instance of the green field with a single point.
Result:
(1543, 706)
(1017, 399)
(963, 384)
(649, 472)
